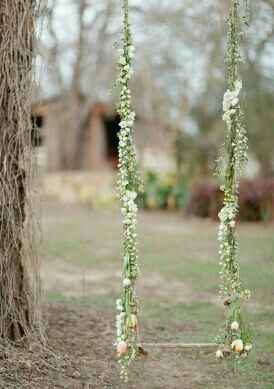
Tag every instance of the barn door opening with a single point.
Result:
(36, 132)
(112, 128)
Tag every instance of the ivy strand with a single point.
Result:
(128, 188)
(236, 335)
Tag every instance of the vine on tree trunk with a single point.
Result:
(19, 265)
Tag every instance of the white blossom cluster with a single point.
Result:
(128, 171)
(230, 102)
(129, 207)
(228, 213)
(237, 140)
(128, 186)
(237, 346)
(119, 321)
(233, 118)
(231, 283)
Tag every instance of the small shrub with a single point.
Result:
(163, 192)
(256, 200)
(205, 200)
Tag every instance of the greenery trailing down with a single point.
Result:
(128, 185)
(236, 335)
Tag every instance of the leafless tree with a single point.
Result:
(180, 57)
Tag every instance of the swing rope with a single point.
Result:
(128, 187)
(236, 335)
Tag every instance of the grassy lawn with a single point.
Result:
(178, 290)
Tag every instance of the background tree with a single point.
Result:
(180, 57)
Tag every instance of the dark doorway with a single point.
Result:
(36, 132)
(112, 129)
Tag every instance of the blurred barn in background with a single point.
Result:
(96, 146)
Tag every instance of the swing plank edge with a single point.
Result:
(178, 345)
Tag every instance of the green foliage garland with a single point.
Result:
(236, 335)
(128, 185)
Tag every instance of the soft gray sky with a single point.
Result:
(190, 64)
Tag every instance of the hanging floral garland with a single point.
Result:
(236, 335)
(128, 185)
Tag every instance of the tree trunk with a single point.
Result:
(16, 41)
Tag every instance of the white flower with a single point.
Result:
(237, 345)
(123, 124)
(121, 347)
(126, 123)
(227, 213)
(230, 100)
(127, 221)
(131, 195)
(247, 294)
(119, 305)
(248, 347)
(232, 224)
(122, 60)
(126, 282)
(234, 326)
(227, 117)
(238, 86)
(132, 115)
(132, 207)
(219, 354)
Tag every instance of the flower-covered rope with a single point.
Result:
(236, 335)
(128, 185)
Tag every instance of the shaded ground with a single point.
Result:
(177, 289)
(79, 356)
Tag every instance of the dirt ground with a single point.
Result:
(81, 279)
(79, 355)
